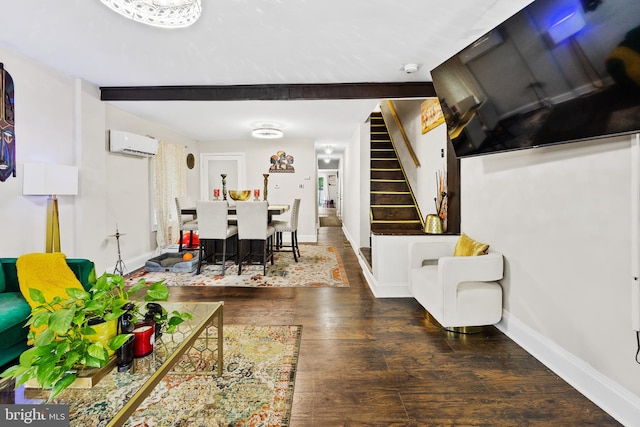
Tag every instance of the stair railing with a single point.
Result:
(402, 132)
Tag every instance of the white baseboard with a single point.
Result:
(616, 400)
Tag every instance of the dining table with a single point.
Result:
(273, 209)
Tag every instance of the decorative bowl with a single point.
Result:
(240, 195)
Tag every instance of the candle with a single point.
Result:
(216, 192)
(256, 193)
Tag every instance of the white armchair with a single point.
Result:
(456, 291)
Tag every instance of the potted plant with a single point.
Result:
(67, 343)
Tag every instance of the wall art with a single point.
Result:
(7, 131)
(281, 162)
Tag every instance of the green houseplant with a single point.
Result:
(66, 345)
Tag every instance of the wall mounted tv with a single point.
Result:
(557, 71)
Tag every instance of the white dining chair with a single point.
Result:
(213, 227)
(290, 226)
(253, 226)
(186, 222)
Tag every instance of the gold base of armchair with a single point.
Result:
(463, 330)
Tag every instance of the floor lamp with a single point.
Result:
(45, 179)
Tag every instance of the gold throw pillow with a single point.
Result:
(466, 246)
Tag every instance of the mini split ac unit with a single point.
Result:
(132, 144)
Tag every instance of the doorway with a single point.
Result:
(329, 198)
(212, 165)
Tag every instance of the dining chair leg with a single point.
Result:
(295, 234)
(293, 246)
(264, 257)
(224, 252)
(200, 258)
(240, 258)
(180, 242)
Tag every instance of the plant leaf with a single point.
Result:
(37, 295)
(118, 341)
(77, 293)
(97, 350)
(157, 292)
(61, 384)
(60, 320)
(44, 338)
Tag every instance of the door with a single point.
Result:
(213, 165)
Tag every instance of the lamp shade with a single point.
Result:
(44, 179)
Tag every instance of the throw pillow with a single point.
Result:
(466, 246)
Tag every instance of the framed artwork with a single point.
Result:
(281, 162)
(7, 135)
(431, 114)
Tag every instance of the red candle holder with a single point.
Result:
(256, 194)
(216, 193)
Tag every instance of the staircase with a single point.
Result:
(393, 208)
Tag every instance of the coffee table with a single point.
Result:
(121, 393)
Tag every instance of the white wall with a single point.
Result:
(62, 120)
(258, 154)
(561, 216)
(44, 111)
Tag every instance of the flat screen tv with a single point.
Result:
(557, 71)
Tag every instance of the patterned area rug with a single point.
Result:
(256, 388)
(318, 266)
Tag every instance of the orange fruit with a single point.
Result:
(187, 256)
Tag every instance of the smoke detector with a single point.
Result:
(410, 68)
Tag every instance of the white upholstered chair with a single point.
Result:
(186, 222)
(253, 226)
(290, 226)
(213, 226)
(460, 291)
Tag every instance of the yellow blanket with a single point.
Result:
(48, 273)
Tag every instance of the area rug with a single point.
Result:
(330, 221)
(318, 266)
(256, 388)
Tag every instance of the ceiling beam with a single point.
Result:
(276, 92)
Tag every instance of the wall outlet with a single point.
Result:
(301, 186)
(276, 187)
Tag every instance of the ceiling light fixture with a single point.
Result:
(267, 131)
(328, 149)
(327, 160)
(158, 13)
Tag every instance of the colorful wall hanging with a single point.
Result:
(431, 114)
(282, 162)
(7, 135)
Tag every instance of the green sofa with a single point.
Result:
(14, 309)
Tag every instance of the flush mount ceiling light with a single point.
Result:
(328, 149)
(267, 131)
(158, 13)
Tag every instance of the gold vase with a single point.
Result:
(433, 224)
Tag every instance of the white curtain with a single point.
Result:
(170, 181)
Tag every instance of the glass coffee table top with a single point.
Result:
(194, 348)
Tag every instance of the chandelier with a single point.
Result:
(158, 13)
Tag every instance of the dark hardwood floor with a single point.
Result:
(380, 362)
